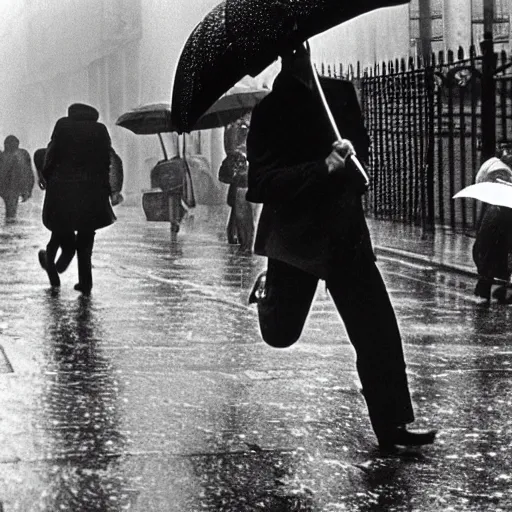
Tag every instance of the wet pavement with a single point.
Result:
(157, 394)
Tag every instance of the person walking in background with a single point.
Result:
(227, 170)
(67, 240)
(492, 249)
(312, 227)
(234, 171)
(77, 200)
(16, 176)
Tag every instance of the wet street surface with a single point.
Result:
(156, 393)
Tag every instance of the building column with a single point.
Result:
(457, 24)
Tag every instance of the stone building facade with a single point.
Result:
(118, 54)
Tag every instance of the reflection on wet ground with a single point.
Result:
(157, 394)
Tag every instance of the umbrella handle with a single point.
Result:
(353, 157)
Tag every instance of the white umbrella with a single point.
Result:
(498, 194)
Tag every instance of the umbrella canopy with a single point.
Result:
(148, 119)
(498, 194)
(237, 102)
(243, 37)
(155, 118)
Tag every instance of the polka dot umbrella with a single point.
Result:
(243, 37)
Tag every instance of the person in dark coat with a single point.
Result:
(312, 227)
(77, 200)
(67, 240)
(16, 176)
(233, 170)
(234, 160)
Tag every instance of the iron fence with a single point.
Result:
(425, 124)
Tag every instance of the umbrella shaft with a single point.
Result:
(355, 160)
(163, 146)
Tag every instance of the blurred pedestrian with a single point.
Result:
(171, 177)
(16, 176)
(492, 249)
(234, 171)
(312, 227)
(77, 200)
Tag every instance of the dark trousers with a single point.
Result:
(84, 246)
(363, 303)
(68, 242)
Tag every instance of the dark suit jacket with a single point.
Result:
(310, 219)
(76, 170)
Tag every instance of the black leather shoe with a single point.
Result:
(85, 290)
(42, 258)
(258, 291)
(483, 288)
(400, 436)
(502, 296)
(53, 276)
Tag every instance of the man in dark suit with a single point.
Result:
(312, 227)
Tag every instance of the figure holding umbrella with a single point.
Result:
(233, 171)
(306, 176)
(171, 179)
(312, 228)
(233, 111)
(492, 250)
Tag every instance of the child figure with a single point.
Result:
(493, 244)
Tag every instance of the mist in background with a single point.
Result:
(119, 54)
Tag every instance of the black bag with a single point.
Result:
(234, 169)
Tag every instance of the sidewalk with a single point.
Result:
(445, 249)
(448, 250)
(157, 394)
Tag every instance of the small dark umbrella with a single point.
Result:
(233, 105)
(243, 37)
(148, 119)
(156, 118)
(153, 118)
